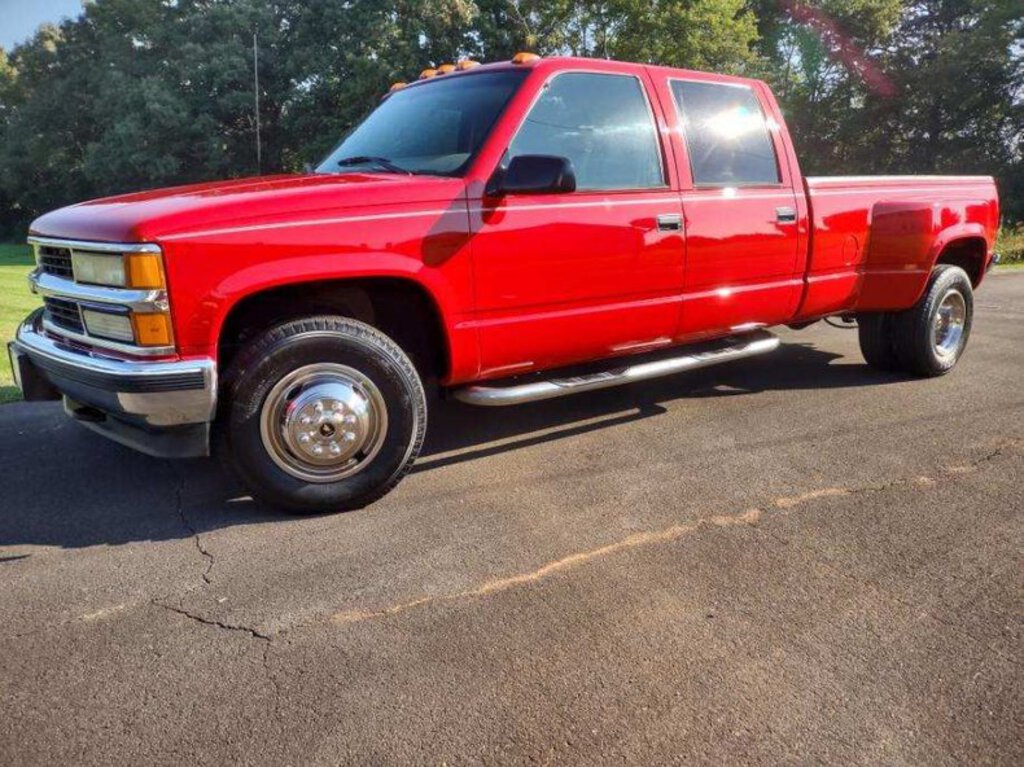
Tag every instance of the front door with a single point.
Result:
(562, 278)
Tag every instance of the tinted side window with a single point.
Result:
(602, 124)
(726, 135)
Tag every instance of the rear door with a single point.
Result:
(743, 265)
(562, 278)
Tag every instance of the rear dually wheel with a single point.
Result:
(928, 339)
(932, 336)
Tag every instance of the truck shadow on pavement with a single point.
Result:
(471, 431)
(70, 488)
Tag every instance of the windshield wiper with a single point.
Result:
(381, 162)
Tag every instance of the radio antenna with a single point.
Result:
(256, 88)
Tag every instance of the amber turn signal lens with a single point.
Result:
(145, 270)
(524, 58)
(152, 329)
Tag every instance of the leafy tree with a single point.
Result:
(698, 34)
(717, 35)
(137, 94)
(959, 78)
(822, 61)
(342, 57)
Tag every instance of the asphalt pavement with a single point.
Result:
(790, 559)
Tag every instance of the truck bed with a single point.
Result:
(873, 239)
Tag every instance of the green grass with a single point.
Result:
(15, 303)
(1011, 245)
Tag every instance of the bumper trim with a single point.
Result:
(136, 299)
(124, 381)
(151, 393)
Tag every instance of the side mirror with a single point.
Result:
(533, 174)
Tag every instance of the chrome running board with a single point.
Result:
(760, 342)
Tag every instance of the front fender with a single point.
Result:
(208, 277)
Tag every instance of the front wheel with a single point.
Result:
(323, 414)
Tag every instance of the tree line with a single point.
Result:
(137, 94)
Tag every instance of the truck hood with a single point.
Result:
(148, 216)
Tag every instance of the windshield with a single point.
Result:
(435, 128)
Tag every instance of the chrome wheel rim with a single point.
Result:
(323, 422)
(949, 323)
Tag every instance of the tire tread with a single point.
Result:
(381, 344)
(912, 327)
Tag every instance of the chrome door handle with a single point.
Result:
(670, 222)
(785, 215)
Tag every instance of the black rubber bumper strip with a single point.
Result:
(128, 383)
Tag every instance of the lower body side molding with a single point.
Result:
(690, 358)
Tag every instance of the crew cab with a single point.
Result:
(503, 233)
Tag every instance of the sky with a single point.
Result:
(19, 19)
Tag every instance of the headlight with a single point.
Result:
(132, 270)
(142, 329)
(116, 327)
(98, 269)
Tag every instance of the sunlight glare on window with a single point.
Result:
(735, 123)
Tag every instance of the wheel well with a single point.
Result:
(400, 308)
(968, 254)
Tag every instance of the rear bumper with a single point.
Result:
(163, 408)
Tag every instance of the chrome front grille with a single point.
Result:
(68, 304)
(55, 260)
(63, 314)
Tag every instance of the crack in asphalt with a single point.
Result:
(190, 528)
(254, 633)
(265, 639)
(202, 620)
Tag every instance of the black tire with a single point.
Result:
(309, 344)
(915, 329)
(877, 344)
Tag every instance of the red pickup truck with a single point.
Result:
(513, 232)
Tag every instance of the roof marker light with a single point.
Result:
(445, 69)
(426, 74)
(396, 87)
(465, 64)
(524, 57)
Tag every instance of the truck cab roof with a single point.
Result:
(555, 64)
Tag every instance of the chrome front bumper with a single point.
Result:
(163, 408)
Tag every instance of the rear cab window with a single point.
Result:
(726, 133)
(603, 123)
